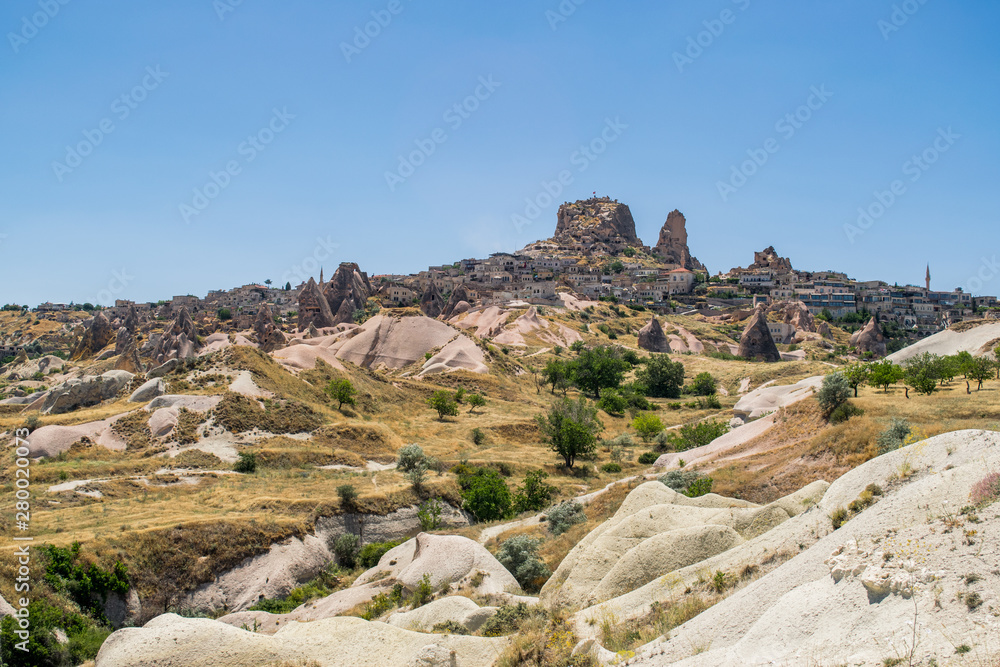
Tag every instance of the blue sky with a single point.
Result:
(309, 129)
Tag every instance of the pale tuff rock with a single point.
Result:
(431, 303)
(84, 392)
(269, 338)
(596, 221)
(879, 574)
(459, 295)
(314, 309)
(347, 291)
(179, 341)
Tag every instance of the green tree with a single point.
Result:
(996, 360)
(856, 375)
(884, 373)
(558, 374)
(486, 496)
(288, 287)
(979, 370)
(444, 402)
(341, 391)
(225, 314)
(475, 401)
(533, 494)
(647, 425)
(661, 377)
(571, 428)
(704, 385)
(599, 368)
(834, 393)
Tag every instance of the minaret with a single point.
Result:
(927, 279)
(321, 275)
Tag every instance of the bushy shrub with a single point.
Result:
(893, 437)
(839, 517)
(612, 402)
(508, 620)
(486, 496)
(611, 467)
(986, 490)
(834, 393)
(647, 426)
(429, 514)
(246, 463)
(372, 552)
(478, 436)
(410, 457)
(345, 549)
(704, 385)
(699, 487)
(679, 480)
(648, 458)
(690, 436)
(844, 412)
(533, 494)
(564, 516)
(422, 593)
(519, 555)
(348, 496)
(623, 440)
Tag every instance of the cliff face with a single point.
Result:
(596, 221)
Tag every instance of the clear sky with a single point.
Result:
(116, 116)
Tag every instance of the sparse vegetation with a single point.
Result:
(519, 555)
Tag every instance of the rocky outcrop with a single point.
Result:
(95, 338)
(652, 338)
(314, 310)
(269, 338)
(458, 295)
(347, 291)
(599, 224)
(128, 352)
(769, 259)
(823, 329)
(345, 313)
(870, 339)
(23, 368)
(179, 341)
(123, 339)
(756, 342)
(148, 391)
(131, 319)
(795, 313)
(672, 245)
(431, 303)
(84, 392)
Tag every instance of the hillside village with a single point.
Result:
(588, 452)
(595, 254)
